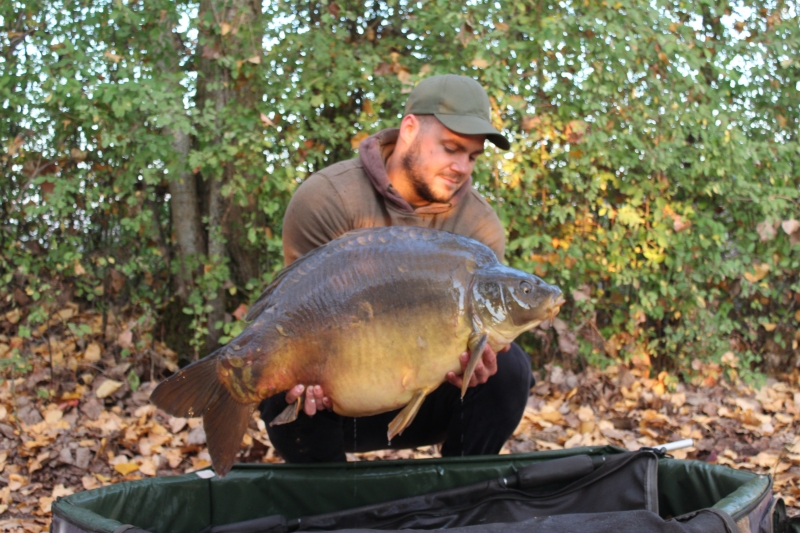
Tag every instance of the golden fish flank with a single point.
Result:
(377, 318)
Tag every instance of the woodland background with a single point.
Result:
(149, 149)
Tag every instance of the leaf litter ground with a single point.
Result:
(86, 422)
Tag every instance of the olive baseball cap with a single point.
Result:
(459, 102)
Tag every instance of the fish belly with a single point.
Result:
(380, 366)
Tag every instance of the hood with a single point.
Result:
(373, 153)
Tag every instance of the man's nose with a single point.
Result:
(462, 165)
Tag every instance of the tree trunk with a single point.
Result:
(229, 35)
(184, 208)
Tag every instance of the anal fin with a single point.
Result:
(477, 342)
(406, 416)
(291, 412)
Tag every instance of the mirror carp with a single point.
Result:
(377, 317)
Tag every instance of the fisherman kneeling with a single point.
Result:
(417, 175)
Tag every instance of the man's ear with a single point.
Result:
(409, 128)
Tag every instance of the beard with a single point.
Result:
(411, 165)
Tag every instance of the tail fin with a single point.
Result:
(196, 390)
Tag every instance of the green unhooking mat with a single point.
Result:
(590, 490)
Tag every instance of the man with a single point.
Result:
(416, 175)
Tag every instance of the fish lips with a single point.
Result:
(555, 307)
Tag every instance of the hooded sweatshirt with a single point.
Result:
(357, 194)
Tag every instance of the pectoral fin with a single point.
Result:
(406, 416)
(477, 342)
(290, 413)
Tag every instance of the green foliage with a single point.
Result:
(654, 157)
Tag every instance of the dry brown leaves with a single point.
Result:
(732, 425)
(81, 425)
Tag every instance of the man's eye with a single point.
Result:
(449, 150)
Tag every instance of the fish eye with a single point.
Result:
(526, 287)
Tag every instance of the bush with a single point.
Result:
(653, 173)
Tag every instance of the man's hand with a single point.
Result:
(315, 400)
(486, 368)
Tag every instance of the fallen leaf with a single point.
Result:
(45, 503)
(224, 28)
(13, 316)
(107, 388)
(90, 482)
(567, 341)
(199, 464)
(148, 467)
(92, 353)
(176, 424)
(765, 459)
(760, 272)
(585, 414)
(60, 490)
(126, 468)
(52, 416)
(174, 457)
(125, 339)
(16, 482)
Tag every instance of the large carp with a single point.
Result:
(377, 317)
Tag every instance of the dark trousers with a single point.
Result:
(479, 425)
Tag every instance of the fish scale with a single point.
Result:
(377, 318)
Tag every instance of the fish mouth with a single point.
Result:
(553, 309)
(555, 306)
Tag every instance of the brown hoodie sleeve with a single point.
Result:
(315, 215)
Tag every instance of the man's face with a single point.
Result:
(439, 161)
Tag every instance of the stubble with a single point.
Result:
(411, 164)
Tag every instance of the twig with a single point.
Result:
(50, 349)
